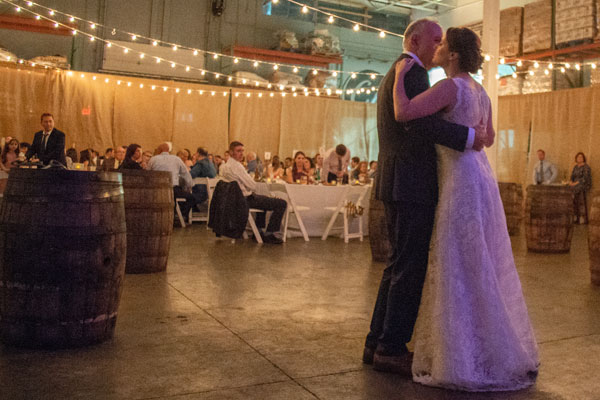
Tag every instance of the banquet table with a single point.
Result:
(316, 198)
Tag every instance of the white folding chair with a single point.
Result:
(253, 226)
(292, 208)
(178, 210)
(348, 195)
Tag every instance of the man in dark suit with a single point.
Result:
(113, 163)
(48, 144)
(406, 182)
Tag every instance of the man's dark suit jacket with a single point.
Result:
(109, 165)
(407, 163)
(55, 148)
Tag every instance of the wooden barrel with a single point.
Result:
(149, 208)
(512, 199)
(549, 218)
(378, 233)
(62, 257)
(594, 238)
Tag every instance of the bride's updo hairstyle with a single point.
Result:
(466, 43)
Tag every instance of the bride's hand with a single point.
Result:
(404, 66)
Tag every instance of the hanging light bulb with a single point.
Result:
(72, 19)
(550, 66)
(356, 27)
(141, 85)
(593, 65)
(373, 76)
(315, 72)
(129, 84)
(335, 73)
(514, 74)
(133, 37)
(172, 65)
(577, 67)
(155, 43)
(502, 60)
(187, 68)
(487, 57)
(195, 52)
(353, 76)
(519, 63)
(562, 69)
(235, 60)
(255, 64)
(109, 44)
(304, 10)
(382, 34)
(157, 60)
(93, 26)
(567, 65)
(330, 19)
(125, 50)
(295, 70)
(531, 72)
(275, 67)
(215, 56)
(142, 55)
(92, 39)
(536, 64)
(546, 72)
(174, 48)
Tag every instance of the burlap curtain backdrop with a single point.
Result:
(97, 114)
(561, 123)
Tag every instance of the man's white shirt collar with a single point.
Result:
(414, 56)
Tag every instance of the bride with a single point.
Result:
(473, 331)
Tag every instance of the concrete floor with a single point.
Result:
(241, 321)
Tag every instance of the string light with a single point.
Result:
(356, 27)
(331, 20)
(134, 36)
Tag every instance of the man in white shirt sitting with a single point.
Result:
(544, 172)
(233, 170)
(173, 164)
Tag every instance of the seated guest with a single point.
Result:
(287, 163)
(85, 158)
(23, 149)
(581, 183)
(113, 163)
(363, 172)
(179, 171)
(202, 169)
(48, 144)
(544, 172)
(71, 157)
(185, 157)
(217, 161)
(310, 167)
(233, 170)
(252, 162)
(133, 157)
(146, 156)
(354, 165)
(318, 160)
(226, 157)
(109, 153)
(335, 164)
(372, 169)
(10, 153)
(298, 172)
(274, 169)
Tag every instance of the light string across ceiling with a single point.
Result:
(94, 26)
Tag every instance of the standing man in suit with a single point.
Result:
(406, 182)
(48, 144)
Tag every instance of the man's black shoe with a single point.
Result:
(271, 239)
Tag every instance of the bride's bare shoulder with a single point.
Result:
(444, 85)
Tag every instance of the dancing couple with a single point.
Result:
(451, 277)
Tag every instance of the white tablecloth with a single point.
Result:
(316, 198)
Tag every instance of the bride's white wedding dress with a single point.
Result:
(473, 331)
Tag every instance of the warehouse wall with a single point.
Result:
(190, 23)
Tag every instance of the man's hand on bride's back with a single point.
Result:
(404, 66)
(481, 137)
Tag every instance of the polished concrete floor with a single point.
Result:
(244, 321)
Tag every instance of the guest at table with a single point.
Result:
(48, 144)
(179, 172)
(217, 161)
(113, 163)
(85, 158)
(354, 165)
(310, 167)
(318, 160)
(544, 172)
(23, 149)
(71, 157)
(133, 157)
(10, 153)
(287, 163)
(203, 168)
(362, 175)
(109, 153)
(186, 158)
(233, 170)
(298, 173)
(581, 183)
(146, 156)
(372, 169)
(335, 164)
(274, 169)
(226, 157)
